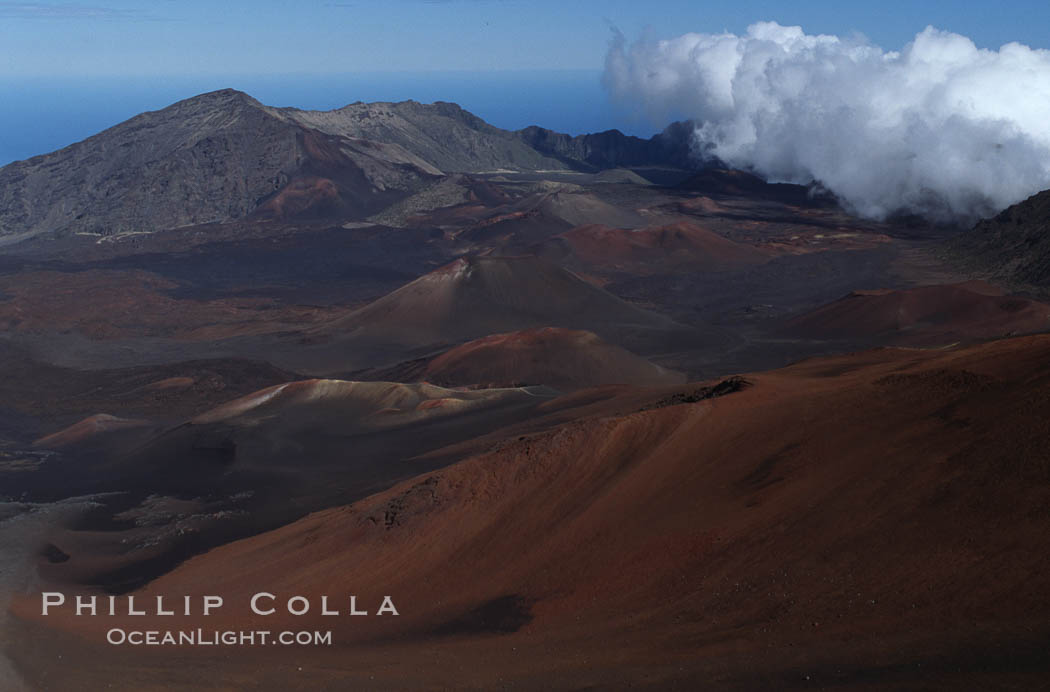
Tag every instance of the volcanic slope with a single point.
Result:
(443, 134)
(303, 426)
(651, 250)
(926, 315)
(538, 216)
(1014, 245)
(223, 156)
(89, 429)
(212, 158)
(565, 359)
(249, 465)
(876, 519)
(477, 296)
(40, 399)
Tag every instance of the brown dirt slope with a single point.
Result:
(926, 315)
(876, 520)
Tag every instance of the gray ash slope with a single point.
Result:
(200, 160)
(223, 156)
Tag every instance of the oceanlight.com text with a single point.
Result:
(202, 637)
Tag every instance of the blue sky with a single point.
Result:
(121, 37)
(69, 69)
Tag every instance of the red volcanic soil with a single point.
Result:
(303, 196)
(106, 304)
(926, 315)
(777, 219)
(257, 462)
(539, 216)
(488, 220)
(647, 250)
(476, 296)
(565, 359)
(872, 521)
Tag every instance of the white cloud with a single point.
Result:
(940, 128)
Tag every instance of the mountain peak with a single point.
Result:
(218, 100)
(227, 94)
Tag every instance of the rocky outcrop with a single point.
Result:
(613, 149)
(1014, 245)
(443, 134)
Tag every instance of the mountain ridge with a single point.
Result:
(223, 156)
